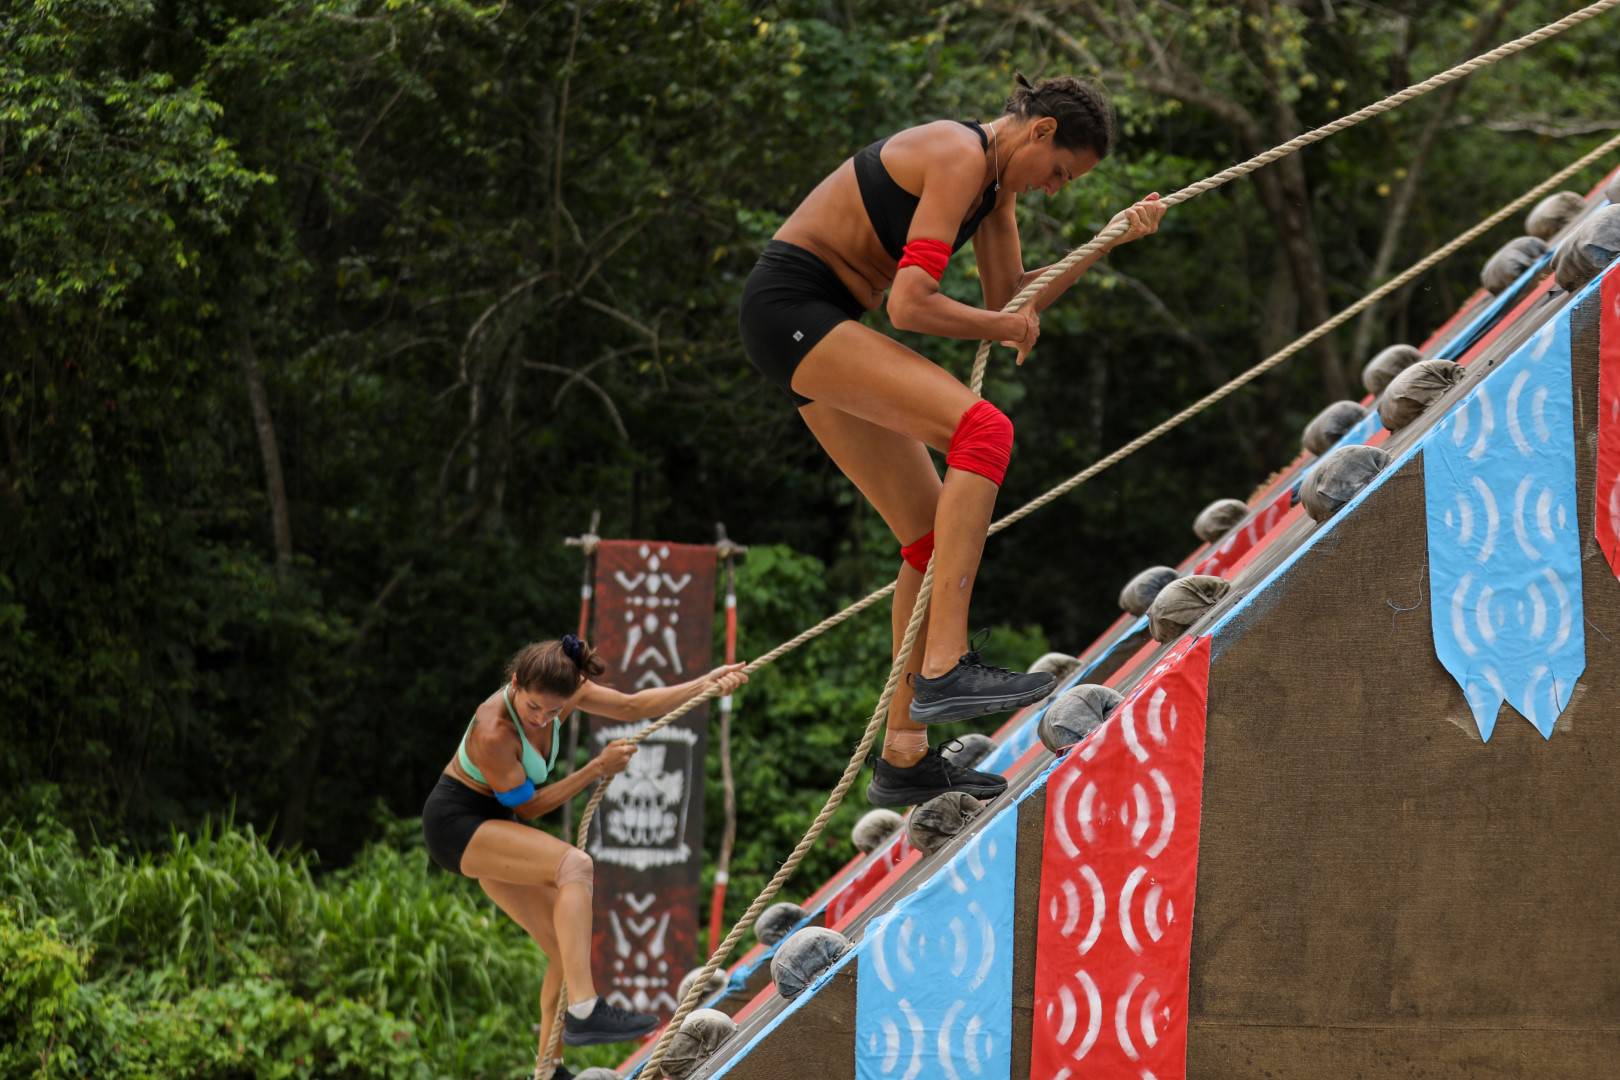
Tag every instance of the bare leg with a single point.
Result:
(898, 478)
(860, 373)
(508, 853)
(966, 504)
(532, 907)
(550, 1004)
(573, 923)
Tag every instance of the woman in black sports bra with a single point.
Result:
(887, 221)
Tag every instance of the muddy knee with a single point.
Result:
(576, 868)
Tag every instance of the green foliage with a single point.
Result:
(40, 1013)
(221, 958)
(248, 1027)
(475, 268)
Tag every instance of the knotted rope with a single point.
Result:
(545, 1063)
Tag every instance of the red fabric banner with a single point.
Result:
(883, 863)
(1607, 524)
(654, 627)
(1118, 876)
(1239, 542)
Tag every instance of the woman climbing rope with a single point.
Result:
(889, 219)
(499, 774)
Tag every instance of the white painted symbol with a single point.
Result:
(643, 818)
(644, 800)
(641, 945)
(651, 642)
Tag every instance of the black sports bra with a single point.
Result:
(891, 207)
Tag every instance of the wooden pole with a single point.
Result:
(727, 551)
(587, 543)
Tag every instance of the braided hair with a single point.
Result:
(1084, 115)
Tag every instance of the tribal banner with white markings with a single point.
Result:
(1119, 871)
(654, 623)
(1504, 543)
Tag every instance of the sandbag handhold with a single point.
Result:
(1338, 477)
(699, 1036)
(1058, 665)
(1382, 369)
(873, 830)
(933, 823)
(966, 751)
(1219, 518)
(597, 1072)
(1511, 259)
(1551, 214)
(1076, 713)
(1415, 389)
(1330, 425)
(717, 983)
(1182, 603)
(804, 957)
(777, 922)
(1137, 595)
(1594, 244)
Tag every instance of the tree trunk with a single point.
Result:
(1400, 205)
(1281, 312)
(1296, 225)
(270, 452)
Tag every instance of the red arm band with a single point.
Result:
(931, 255)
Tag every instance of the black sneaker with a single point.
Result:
(972, 688)
(606, 1024)
(562, 1072)
(932, 776)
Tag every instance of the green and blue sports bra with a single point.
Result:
(535, 767)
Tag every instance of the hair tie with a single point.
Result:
(573, 648)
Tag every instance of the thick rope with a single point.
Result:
(1405, 277)
(544, 1065)
(1100, 242)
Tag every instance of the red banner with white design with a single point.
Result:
(1239, 542)
(1607, 524)
(654, 627)
(883, 863)
(1118, 877)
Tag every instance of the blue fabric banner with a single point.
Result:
(1465, 338)
(1504, 546)
(933, 997)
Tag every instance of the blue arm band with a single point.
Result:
(517, 796)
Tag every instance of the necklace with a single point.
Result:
(995, 158)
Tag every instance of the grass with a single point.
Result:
(220, 940)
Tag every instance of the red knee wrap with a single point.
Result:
(982, 443)
(919, 551)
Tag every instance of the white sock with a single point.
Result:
(579, 1010)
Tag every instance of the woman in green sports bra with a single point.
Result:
(502, 771)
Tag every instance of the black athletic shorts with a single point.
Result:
(790, 302)
(451, 815)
